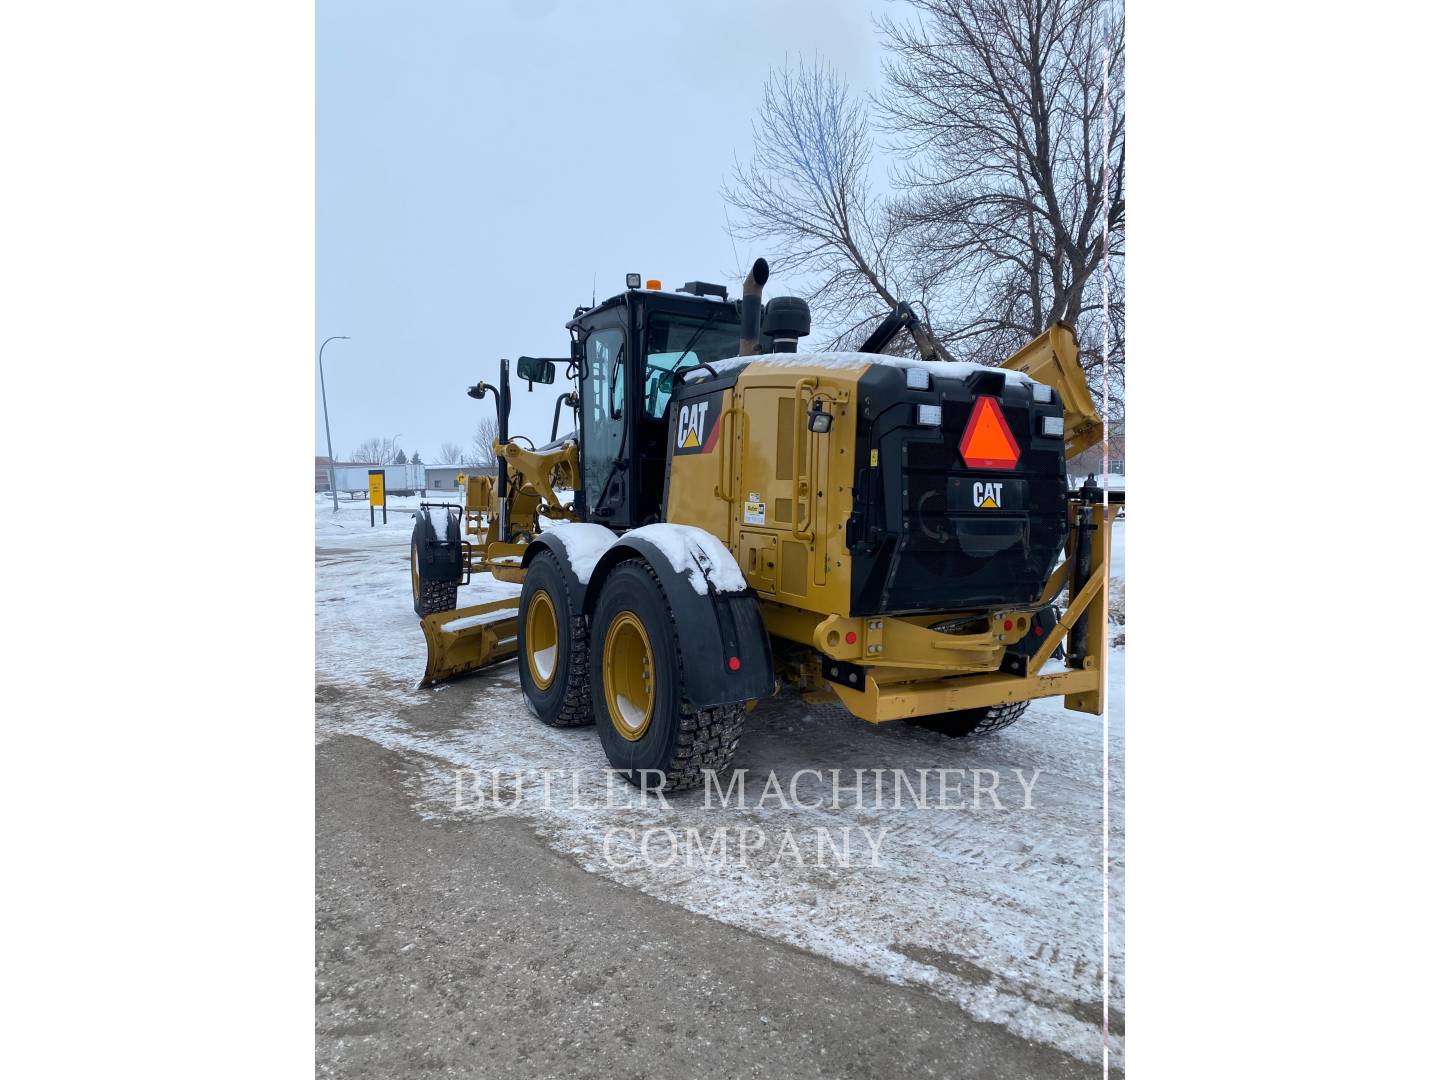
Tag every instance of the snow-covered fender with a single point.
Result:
(721, 635)
(439, 558)
(548, 541)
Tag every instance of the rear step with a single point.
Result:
(468, 639)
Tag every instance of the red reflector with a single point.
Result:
(850, 638)
(1009, 625)
(987, 442)
(1039, 632)
(734, 663)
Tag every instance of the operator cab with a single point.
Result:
(631, 351)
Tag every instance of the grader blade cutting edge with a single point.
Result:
(468, 639)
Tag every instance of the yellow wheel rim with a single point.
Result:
(542, 639)
(629, 672)
(414, 572)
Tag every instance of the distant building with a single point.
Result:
(437, 477)
(322, 470)
(1090, 460)
(442, 477)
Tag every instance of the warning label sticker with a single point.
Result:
(754, 510)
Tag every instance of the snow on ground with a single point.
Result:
(996, 910)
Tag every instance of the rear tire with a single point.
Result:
(646, 727)
(964, 723)
(554, 647)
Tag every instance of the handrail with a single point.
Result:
(722, 487)
(796, 489)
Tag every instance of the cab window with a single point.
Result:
(677, 343)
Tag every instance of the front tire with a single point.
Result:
(429, 596)
(646, 727)
(965, 723)
(554, 647)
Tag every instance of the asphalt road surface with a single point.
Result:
(473, 949)
(471, 923)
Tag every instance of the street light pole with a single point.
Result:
(329, 449)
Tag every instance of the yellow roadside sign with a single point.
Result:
(377, 487)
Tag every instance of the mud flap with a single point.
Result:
(468, 639)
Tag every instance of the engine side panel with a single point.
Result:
(755, 475)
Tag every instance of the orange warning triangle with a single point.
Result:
(987, 442)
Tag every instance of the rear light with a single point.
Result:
(1052, 426)
(917, 378)
(1043, 394)
(927, 415)
(734, 664)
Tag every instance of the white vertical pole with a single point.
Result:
(1105, 515)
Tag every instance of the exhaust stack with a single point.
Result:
(750, 307)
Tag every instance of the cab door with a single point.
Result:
(603, 422)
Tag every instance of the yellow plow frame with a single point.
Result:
(468, 639)
(471, 638)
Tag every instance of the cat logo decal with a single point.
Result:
(988, 496)
(696, 429)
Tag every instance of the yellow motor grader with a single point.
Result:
(886, 533)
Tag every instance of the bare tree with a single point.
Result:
(451, 454)
(996, 113)
(806, 194)
(996, 108)
(482, 450)
(375, 451)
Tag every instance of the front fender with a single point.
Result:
(574, 587)
(439, 558)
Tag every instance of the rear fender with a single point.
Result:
(714, 629)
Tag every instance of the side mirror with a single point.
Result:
(534, 369)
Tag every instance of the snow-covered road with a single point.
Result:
(994, 908)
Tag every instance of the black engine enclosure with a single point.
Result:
(918, 540)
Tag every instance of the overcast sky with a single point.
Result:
(479, 165)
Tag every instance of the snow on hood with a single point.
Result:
(695, 553)
(584, 544)
(849, 361)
